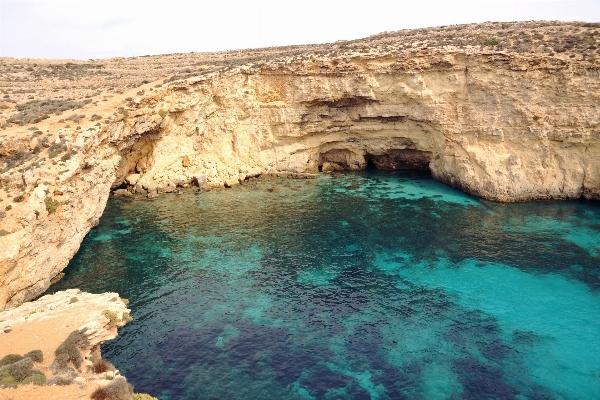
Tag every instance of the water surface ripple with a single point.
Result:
(381, 285)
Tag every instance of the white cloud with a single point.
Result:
(94, 29)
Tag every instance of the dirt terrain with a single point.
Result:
(46, 323)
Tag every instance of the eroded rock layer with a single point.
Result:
(502, 126)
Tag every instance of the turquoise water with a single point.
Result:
(381, 285)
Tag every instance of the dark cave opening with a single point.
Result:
(397, 159)
(370, 165)
(393, 159)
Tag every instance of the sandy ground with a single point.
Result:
(45, 335)
(44, 325)
(32, 392)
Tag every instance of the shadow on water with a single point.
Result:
(371, 284)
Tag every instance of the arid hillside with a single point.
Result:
(33, 89)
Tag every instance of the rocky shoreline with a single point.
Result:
(514, 119)
(51, 346)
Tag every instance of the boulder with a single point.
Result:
(232, 182)
(132, 179)
(122, 192)
(200, 180)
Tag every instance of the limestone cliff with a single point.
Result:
(505, 126)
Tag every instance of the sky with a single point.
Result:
(100, 29)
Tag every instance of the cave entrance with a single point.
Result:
(370, 165)
(391, 160)
(398, 159)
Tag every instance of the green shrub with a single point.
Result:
(536, 117)
(36, 377)
(142, 396)
(73, 300)
(127, 317)
(162, 113)
(60, 380)
(112, 317)
(8, 207)
(117, 389)
(20, 369)
(101, 365)
(35, 111)
(3, 232)
(10, 359)
(67, 156)
(36, 355)
(51, 204)
(71, 348)
(61, 363)
(19, 198)
(6, 379)
(486, 40)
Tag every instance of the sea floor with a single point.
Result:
(380, 285)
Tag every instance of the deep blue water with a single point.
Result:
(381, 285)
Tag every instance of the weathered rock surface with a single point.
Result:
(72, 309)
(505, 126)
(45, 323)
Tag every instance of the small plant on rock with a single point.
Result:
(112, 317)
(51, 204)
(116, 389)
(127, 317)
(142, 396)
(100, 365)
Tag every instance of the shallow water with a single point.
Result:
(363, 285)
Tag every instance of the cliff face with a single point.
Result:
(505, 127)
(501, 128)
